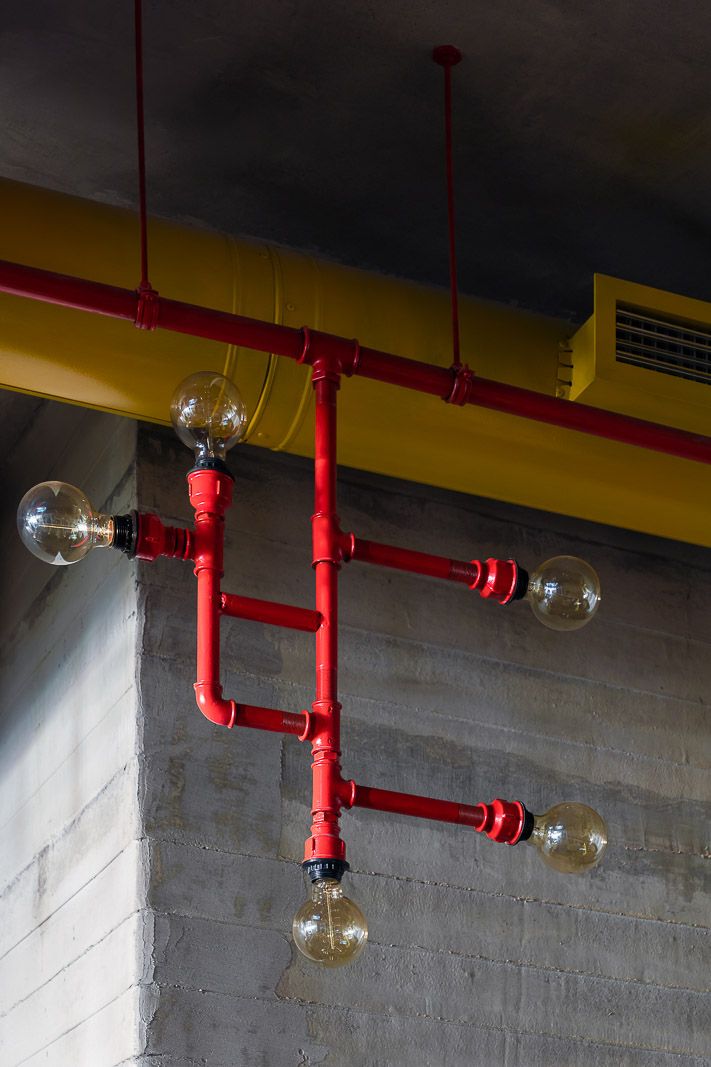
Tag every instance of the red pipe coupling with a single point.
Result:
(496, 579)
(153, 539)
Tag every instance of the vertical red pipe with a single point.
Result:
(325, 733)
(210, 495)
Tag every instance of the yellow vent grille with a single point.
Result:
(643, 352)
(668, 346)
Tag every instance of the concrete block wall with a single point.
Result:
(73, 934)
(478, 954)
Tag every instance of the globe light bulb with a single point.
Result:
(57, 523)
(564, 593)
(209, 415)
(570, 838)
(329, 928)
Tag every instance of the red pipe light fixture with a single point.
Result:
(58, 525)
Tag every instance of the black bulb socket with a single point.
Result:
(324, 868)
(212, 464)
(522, 580)
(125, 533)
(528, 818)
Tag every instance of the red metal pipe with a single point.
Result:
(502, 820)
(197, 321)
(491, 578)
(210, 495)
(281, 722)
(403, 559)
(324, 729)
(154, 539)
(270, 612)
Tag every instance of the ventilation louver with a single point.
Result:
(661, 344)
(644, 352)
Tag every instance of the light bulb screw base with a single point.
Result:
(325, 868)
(125, 533)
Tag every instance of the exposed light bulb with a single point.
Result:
(570, 838)
(58, 524)
(209, 415)
(564, 593)
(329, 928)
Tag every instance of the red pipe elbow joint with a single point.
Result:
(209, 698)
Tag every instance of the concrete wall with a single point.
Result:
(72, 933)
(478, 954)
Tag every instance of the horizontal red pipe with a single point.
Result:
(280, 722)
(363, 796)
(415, 562)
(223, 326)
(585, 419)
(271, 612)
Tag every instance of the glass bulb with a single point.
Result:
(208, 414)
(571, 838)
(329, 928)
(564, 593)
(58, 524)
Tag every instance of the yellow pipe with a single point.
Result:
(108, 365)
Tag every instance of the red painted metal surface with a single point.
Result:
(281, 722)
(502, 820)
(324, 731)
(404, 559)
(497, 579)
(350, 358)
(491, 578)
(211, 495)
(270, 612)
(153, 539)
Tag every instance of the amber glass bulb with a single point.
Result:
(57, 523)
(570, 838)
(564, 593)
(329, 928)
(208, 414)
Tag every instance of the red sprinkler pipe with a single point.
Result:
(324, 730)
(503, 821)
(495, 578)
(154, 539)
(211, 495)
(270, 612)
(351, 358)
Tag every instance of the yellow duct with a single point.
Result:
(109, 365)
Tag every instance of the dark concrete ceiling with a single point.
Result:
(583, 130)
